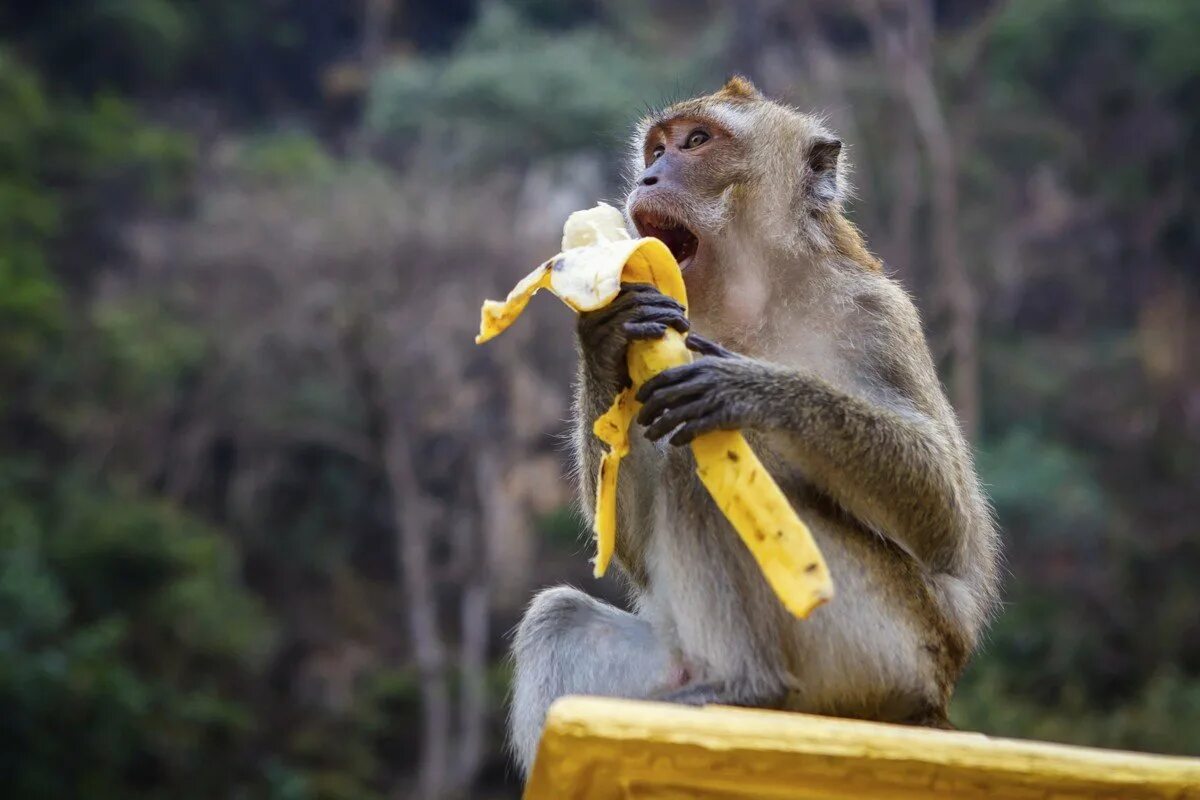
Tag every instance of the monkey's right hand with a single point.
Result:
(640, 311)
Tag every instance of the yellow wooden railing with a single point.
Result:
(598, 748)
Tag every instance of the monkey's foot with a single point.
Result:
(725, 693)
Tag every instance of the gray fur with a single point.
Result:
(570, 643)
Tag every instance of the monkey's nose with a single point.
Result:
(649, 180)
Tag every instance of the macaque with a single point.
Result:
(806, 346)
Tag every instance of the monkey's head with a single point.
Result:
(730, 172)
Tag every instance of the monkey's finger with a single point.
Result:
(635, 294)
(642, 289)
(644, 330)
(667, 316)
(672, 418)
(706, 347)
(642, 292)
(668, 377)
(702, 425)
(623, 304)
(656, 301)
(595, 331)
(670, 398)
(601, 316)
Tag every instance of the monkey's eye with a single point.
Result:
(657, 152)
(695, 139)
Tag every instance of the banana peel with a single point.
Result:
(598, 255)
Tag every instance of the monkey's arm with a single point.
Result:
(640, 311)
(590, 391)
(895, 469)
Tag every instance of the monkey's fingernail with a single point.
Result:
(681, 438)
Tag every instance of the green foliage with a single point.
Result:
(562, 528)
(105, 141)
(285, 156)
(512, 91)
(30, 311)
(67, 143)
(60, 162)
(1044, 645)
(147, 350)
(1163, 717)
(1037, 40)
(152, 36)
(125, 639)
(1105, 71)
(131, 46)
(127, 643)
(1043, 486)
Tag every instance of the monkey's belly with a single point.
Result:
(874, 651)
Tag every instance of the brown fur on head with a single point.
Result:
(738, 88)
(730, 171)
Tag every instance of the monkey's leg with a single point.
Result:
(571, 643)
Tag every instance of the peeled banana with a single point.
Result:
(597, 256)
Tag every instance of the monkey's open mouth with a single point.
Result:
(679, 240)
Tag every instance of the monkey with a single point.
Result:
(802, 342)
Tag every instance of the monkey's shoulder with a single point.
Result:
(884, 338)
(877, 305)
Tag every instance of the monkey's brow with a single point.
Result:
(676, 114)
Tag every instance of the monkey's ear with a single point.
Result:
(739, 87)
(823, 156)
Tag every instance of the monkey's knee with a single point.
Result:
(552, 619)
(570, 643)
(547, 649)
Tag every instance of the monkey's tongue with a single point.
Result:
(679, 240)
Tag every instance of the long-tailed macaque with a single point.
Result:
(807, 346)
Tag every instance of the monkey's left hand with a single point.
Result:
(714, 392)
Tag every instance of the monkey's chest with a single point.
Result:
(704, 587)
(687, 521)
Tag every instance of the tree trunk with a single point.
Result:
(377, 18)
(474, 615)
(825, 70)
(905, 178)
(473, 706)
(414, 564)
(906, 57)
(412, 518)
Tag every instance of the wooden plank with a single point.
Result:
(597, 748)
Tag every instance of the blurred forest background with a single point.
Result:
(266, 514)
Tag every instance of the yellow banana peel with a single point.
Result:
(598, 256)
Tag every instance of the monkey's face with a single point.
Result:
(729, 182)
(688, 164)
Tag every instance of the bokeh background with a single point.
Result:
(267, 515)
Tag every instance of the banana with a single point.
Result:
(597, 256)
